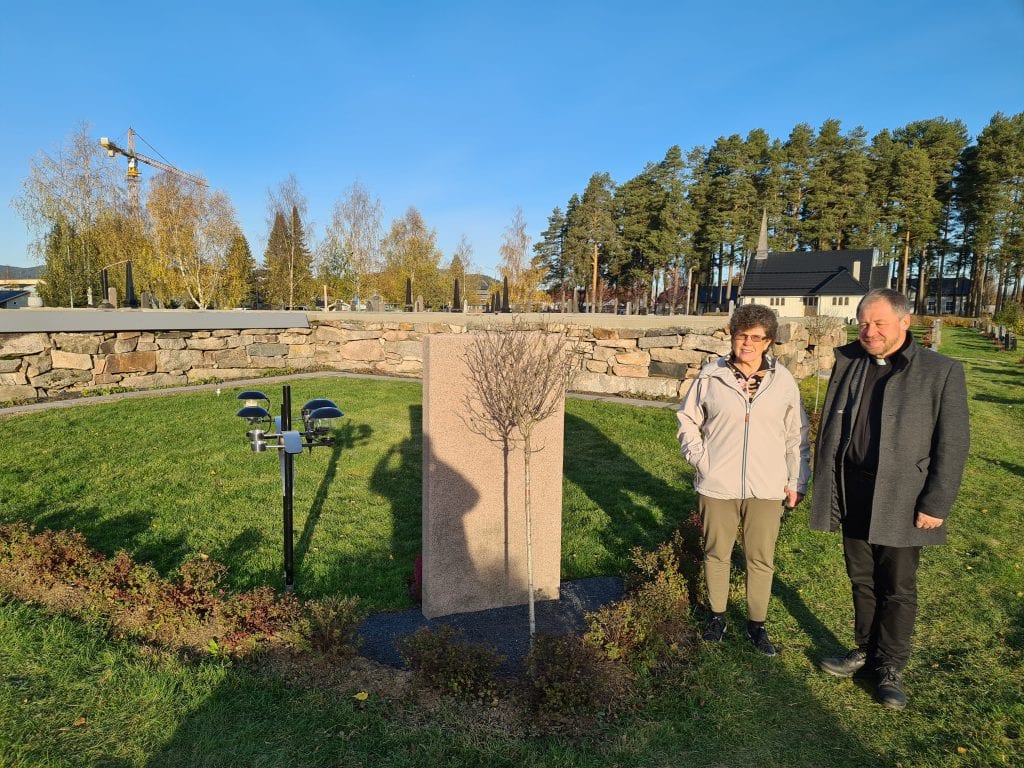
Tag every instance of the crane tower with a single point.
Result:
(133, 166)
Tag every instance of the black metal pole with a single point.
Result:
(289, 483)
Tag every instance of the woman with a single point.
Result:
(744, 431)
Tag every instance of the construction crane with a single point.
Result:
(133, 166)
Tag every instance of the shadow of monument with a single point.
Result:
(398, 477)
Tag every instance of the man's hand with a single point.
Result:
(792, 498)
(922, 520)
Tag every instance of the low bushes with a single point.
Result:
(189, 611)
(565, 678)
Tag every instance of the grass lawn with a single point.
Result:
(167, 477)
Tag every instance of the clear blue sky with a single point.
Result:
(467, 110)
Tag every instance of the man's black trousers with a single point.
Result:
(883, 579)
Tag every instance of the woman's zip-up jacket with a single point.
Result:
(742, 448)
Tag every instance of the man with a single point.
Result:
(890, 454)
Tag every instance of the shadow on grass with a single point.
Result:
(398, 477)
(999, 400)
(348, 436)
(1006, 466)
(611, 479)
(109, 534)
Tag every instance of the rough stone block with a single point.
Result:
(208, 343)
(618, 343)
(61, 359)
(658, 341)
(668, 370)
(170, 342)
(10, 365)
(61, 378)
(132, 362)
(267, 350)
(16, 394)
(705, 343)
(178, 359)
(632, 358)
(82, 343)
(630, 371)
(369, 349)
(155, 380)
(678, 356)
(22, 343)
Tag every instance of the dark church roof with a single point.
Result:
(813, 273)
(8, 296)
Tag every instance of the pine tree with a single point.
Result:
(275, 259)
(550, 254)
(591, 237)
(239, 285)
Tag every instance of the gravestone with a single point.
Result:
(376, 303)
(474, 524)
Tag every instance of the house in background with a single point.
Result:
(811, 283)
(956, 294)
(13, 299)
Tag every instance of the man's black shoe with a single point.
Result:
(890, 688)
(714, 630)
(845, 666)
(759, 637)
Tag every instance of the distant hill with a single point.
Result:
(19, 273)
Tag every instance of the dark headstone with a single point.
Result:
(129, 287)
(457, 299)
(504, 296)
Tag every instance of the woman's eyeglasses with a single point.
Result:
(750, 337)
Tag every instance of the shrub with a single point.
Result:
(260, 614)
(332, 625)
(58, 570)
(1012, 316)
(649, 628)
(568, 677)
(441, 659)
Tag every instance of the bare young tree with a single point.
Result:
(523, 277)
(518, 375)
(819, 329)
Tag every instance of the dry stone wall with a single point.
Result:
(646, 362)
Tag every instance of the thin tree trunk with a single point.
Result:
(904, 265)
(922, 282)
(529, 534)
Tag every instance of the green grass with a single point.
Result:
(171, 476)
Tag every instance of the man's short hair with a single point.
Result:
(750, 316)
(895, 299)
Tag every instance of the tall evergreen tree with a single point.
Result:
(549, 251)
(238, 287)
(276, 259)
(590, 231)
(793, 184)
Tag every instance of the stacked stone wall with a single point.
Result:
(646, 362)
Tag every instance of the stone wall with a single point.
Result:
(649, 359)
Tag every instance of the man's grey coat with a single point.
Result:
(922, 449)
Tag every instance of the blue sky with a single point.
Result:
(467, 110)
